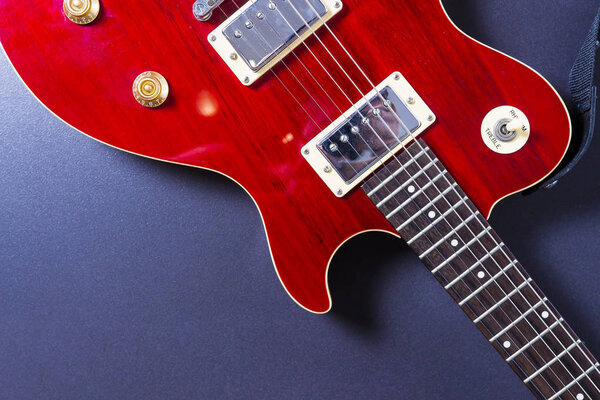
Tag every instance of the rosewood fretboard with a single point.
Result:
(439, 222)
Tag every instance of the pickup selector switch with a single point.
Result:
(505, 130)
(81, 12)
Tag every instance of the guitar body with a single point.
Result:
(254, 135)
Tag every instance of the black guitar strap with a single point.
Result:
(584, 82)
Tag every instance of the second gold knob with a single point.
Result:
(150, 89)
(81, 12)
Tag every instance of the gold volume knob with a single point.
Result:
(81, 12)
(150, 89)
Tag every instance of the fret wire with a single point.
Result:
(512, 324)
(469, 243)
(525, 337)
(346, 74)
(491, 280)
(540, 298)
(419, 213)
(549, 363)
(454, 232)
(472, 267)
(286, 21)
(412, 197)
(405, 184)
(533, 365)
(508, 296)
(438, 219)
(463, 200)
(580, 377)
(575, 345)
(389, 179)
(337, 62)
(531, 342)
(561, 320)
(525, 298)
(453, 208)
(550, 330)
(353, 61)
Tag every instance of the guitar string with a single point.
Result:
(534, 330)
(309, 94)
(595, 366)
(352, 146)
(341, 113)
(376, 133)
(543, 341)
(376, 175)
(410, 133)
(349, 162)
(359, 136)
(338, 65)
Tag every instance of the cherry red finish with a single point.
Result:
(84, 74)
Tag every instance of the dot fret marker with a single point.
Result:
(462, 257)
(545, 314)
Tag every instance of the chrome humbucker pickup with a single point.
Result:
(262, 32)
(368, 134)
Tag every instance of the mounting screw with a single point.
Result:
(327, 169)
(213, 38)
(246, 80)
(340, 192)
(306, 151)
(397, 77)
(233, 56)
(430, 118)
(337, 4)
(411, 100)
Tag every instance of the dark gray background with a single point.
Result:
(125, 278)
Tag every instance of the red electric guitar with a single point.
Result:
(337, 120)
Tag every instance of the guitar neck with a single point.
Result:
(431, 212)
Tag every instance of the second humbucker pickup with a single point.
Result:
(368, 134)
(262, 32)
